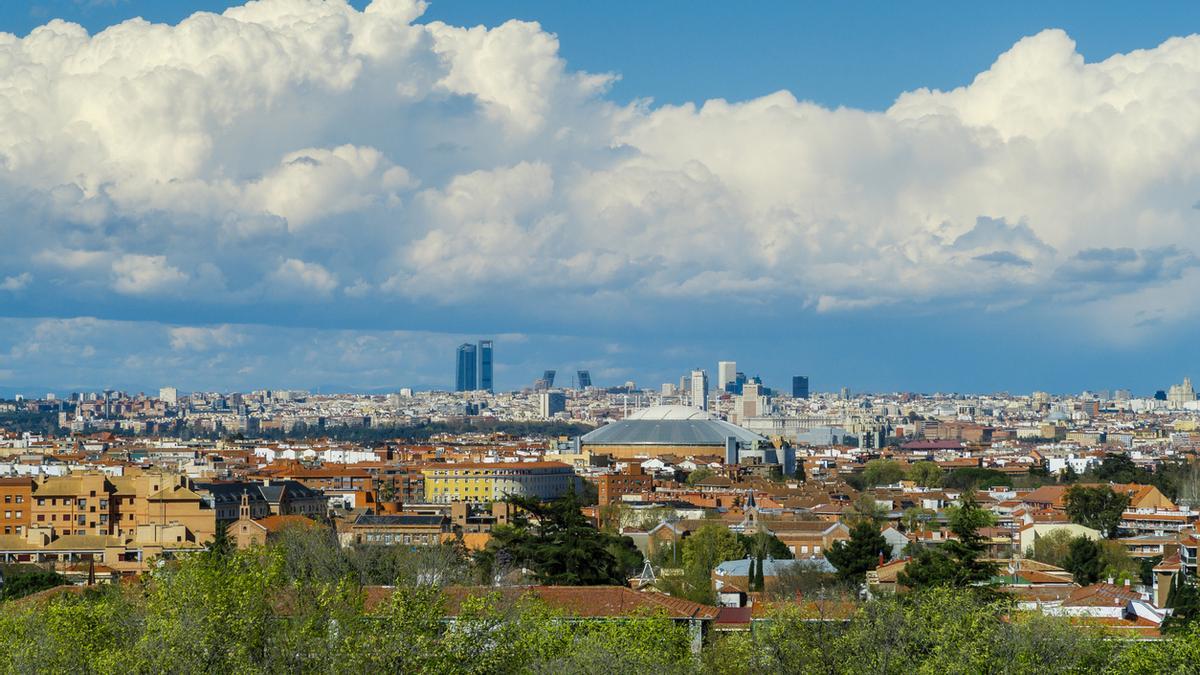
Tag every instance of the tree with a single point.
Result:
(974, 479)
(865, 507)
(763, 543)
(703, 550)
(1099, 508)
(564, 549)
(1184, 600)
(1083, 561)
(914, 518)
(1068, 475)
(925, 474)
(882, 472)
(958, 562)
(854, 557)
(799, 474)
(23, 580)
(1119, 468)
(1051, 548)
(699, 474)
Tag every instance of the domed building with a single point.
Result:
(668, 430)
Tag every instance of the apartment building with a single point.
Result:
(16, 498)
(487, 482)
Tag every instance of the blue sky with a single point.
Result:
(189, 207)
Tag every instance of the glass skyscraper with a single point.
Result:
(466, 379)
(485, 365)
(800, 386)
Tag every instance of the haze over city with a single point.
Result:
(333, 195)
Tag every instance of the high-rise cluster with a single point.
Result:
(474, 367)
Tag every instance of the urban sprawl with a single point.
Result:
(716, 504)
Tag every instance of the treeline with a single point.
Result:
(300, 607)
(43, 423)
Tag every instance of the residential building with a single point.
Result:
(16, 499)
(493, 481)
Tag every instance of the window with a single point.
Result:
(41, 517)
(20, 499)
(104, 503)
(8, 499)
(81, 503)
(8, 514)
(20, 514)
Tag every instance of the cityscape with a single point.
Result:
(538, 337)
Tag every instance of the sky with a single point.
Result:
(332, 195)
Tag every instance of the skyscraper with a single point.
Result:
(800, 386)
(548, 376)
(585, 379)
(726, 374)
(465, 379)
(551, 403)
(485, 366)
(699, 389)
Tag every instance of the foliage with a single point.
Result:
(860, 553)
(1051, 548)
(1184, 600)
(974, 479)
(925, 474)
(865, 507)
(935, 631)
(700, 474)
(562, 549)
(914, 518)
(23, 580)
(1083, 561)
(882, 472)
(1098, 507)
(958, 562)
(764, 544)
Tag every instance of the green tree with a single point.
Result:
(925, 474)
(1098, 507)
(974, 479)
(562, 549)
(1051, 548)
(862, 552)
(1184, 601)
(763, 543)
(703, 550)
(882, 472)
(700, 474)
(958, 562)
(23, 580)
(1083, 561)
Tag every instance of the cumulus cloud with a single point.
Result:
(145, 274)
(298, 277)
(281, 147)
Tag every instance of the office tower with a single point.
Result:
(845, 393)
(699, 389)
(800, 386)
(168, 395)
(726, 374)
(552, 402)
(585, 379)
(668, 389)
(466, 379)
(548, 376)
(485, 366)
(749, 402)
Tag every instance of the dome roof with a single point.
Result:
(669, 412)
(669, 425)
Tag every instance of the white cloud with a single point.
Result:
(16, 283)
(299, 131)
(298, 277)
(145, 274)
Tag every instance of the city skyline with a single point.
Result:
(860, 209)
